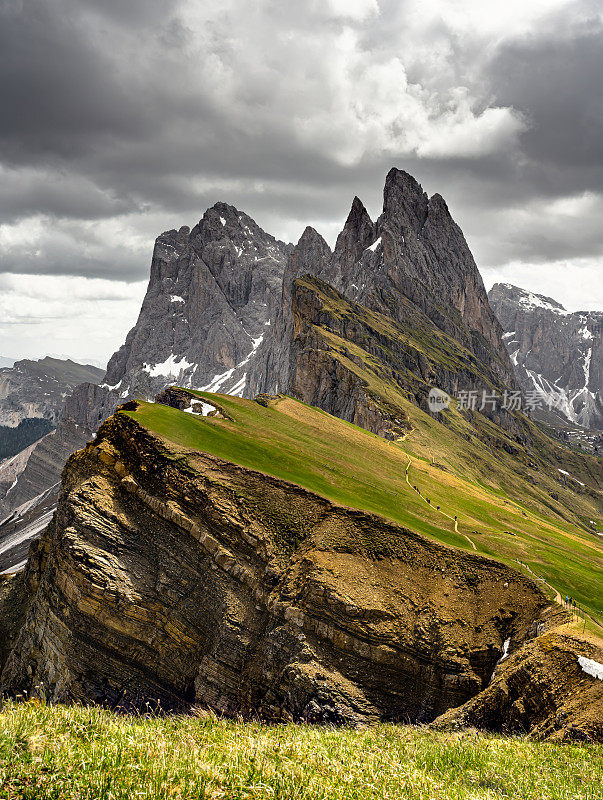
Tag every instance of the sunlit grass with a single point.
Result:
(353, 467)
(76, 752)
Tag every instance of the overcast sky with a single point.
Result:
(123, 118)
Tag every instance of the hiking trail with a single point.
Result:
(454, 519)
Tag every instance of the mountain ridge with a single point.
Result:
(557, 354)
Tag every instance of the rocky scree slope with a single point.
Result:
(169, 574)
(558, 355)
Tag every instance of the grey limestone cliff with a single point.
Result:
(558, 355)
(414, 252)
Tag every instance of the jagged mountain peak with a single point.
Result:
(309, 255)
(358, 233)
(414, 252)
(223, 221)
(400, 178)
(312, 238)
(211, 295)
(405, 203)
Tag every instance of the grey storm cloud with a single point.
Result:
(122, 118)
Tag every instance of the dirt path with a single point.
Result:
(542, 580)
(558, 598)
(435, 508)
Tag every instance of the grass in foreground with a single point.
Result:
(76, 752)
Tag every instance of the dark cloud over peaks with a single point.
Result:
(122, 119)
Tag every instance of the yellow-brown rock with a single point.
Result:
(170, 575)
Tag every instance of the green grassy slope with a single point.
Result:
(76, 752)
(398, 363)
(298, 443)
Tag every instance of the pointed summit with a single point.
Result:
(310, 254)
(404, 201)
(357, 234)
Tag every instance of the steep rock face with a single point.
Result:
(11, 468)
(213, 293)
(211, 297)
(558, 356)
(269, 370)
(549, 689)
(423, 256)
(343, 357)
(22, 526)
(413, 259)
(170, 574)
(39, 388)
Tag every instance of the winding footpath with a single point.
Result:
(436, 508)
(542, 580)
(558, 598)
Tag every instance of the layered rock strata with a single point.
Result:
(550, 689)
(170, 575)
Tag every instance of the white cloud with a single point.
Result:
(491, 19)
(329, 87)
(357, 10)
(575, 283)
(44, 244)
(85, 319)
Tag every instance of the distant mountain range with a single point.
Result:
(557, 354)
(32, 401)
(31, 388)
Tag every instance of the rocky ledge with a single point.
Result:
(551, 689)
(169, 575)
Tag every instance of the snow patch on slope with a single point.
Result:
(219, 381)
(200, 408)
(591, 667)
(170, 368)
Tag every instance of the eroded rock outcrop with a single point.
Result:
(552, 688)
(169, 574)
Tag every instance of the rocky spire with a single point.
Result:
(358, 233)
(269, 372)
(213, 292)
